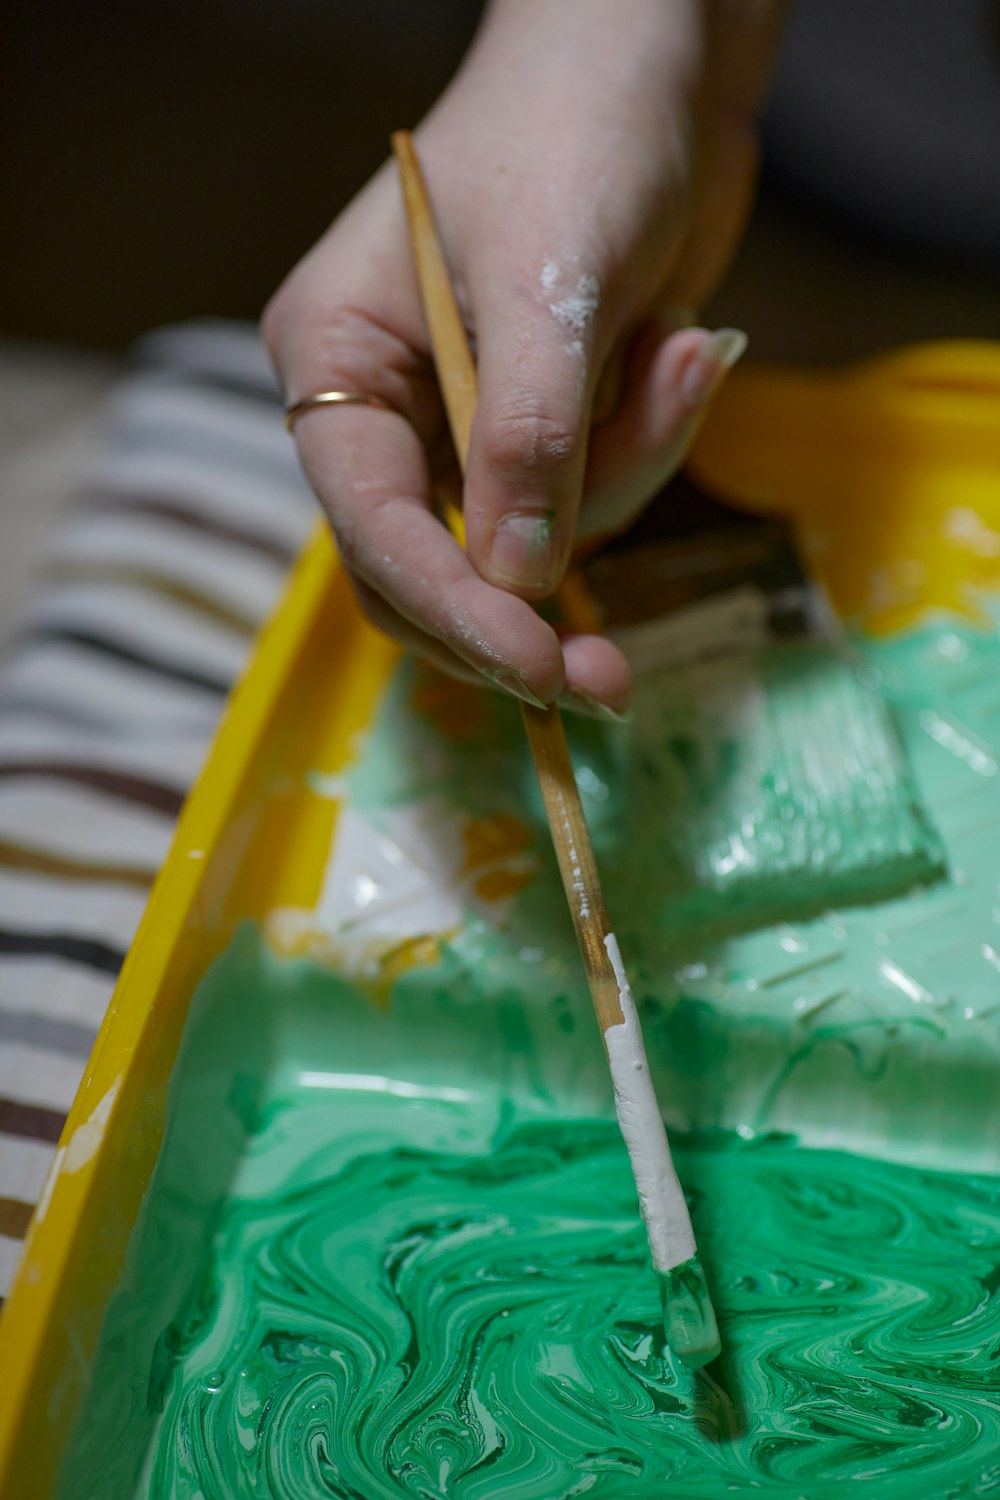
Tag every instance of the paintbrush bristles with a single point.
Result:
(457, 375)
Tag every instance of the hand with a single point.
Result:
(591, 167)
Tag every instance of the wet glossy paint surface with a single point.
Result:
(395, 1250)
(424, 1290)
(475, 1327)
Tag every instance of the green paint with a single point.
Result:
(345, 1292)
(541, 540)
(446, 1326)
(746, 788)
(777, 787)
(340, 1292)
(876, 1022)
(688, 1315)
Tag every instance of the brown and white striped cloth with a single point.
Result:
(109, 694)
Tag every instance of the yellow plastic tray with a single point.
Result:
(882, 465)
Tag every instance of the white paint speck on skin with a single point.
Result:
(661, 1198)
(550, 277)
(559, 447)
(576, 310)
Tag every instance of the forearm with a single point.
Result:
(682, 42)
(589, 46)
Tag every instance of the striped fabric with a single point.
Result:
(109, 696)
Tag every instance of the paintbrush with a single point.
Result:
(689, 1318)
(767, 775)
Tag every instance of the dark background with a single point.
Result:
(165, 161)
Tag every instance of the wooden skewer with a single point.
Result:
(457, 374)
(660, 1195)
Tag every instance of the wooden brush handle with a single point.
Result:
(457, 376)
(577, 864)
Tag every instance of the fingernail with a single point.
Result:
(525, 552)
(706, 369)
(575, 701)
(511, 683)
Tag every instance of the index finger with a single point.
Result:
(370, 471)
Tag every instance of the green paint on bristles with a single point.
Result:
(688, 1315)
(767, 785)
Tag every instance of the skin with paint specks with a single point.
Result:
(590, 178)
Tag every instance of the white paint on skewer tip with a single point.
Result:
(661, 1197)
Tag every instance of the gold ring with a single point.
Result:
(298, 409)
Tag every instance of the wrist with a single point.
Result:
(669, 37)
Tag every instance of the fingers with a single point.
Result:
(598, 678)
(670, 381)
(391, 623)
(369, 469)
(721, 210)
(415, 583)
(529, 440)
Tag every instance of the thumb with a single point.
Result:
(529, 439)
